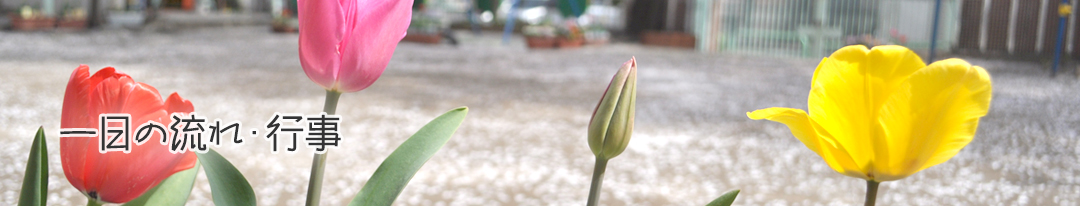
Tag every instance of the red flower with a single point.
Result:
(117, 177)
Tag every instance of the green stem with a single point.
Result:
(92, 202)
(318, 163)
(871, 192)
(597, 180)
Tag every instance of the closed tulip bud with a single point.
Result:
(613, 120)
(345, 45)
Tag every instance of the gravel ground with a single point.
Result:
(523, 142)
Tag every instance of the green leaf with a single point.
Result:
(227, 184)
(36, 178)
(725, 200)
(396, 171)
(171, 191)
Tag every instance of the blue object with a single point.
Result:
(934, 31)
(509, 28)
(472, 21)
(574, 8)
(1057, 47)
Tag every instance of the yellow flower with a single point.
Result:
(883, 115)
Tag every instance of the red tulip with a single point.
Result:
(117, 177)
(346, 44)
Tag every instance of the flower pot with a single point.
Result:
(281, 28)
(537, 42)
(285, 25)
(670, 39)
(71, 24)
(32, 24)
(570, 43)
(422, 38)
(187, 5)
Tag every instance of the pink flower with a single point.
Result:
(346, 44)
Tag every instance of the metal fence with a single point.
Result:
(814, 28)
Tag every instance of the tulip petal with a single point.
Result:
(848, 90)
(934, 114)
(373, 30)
(74, 115)
(622, 120)
(795, 119)
(803, 129)
(320, 38)
(177, 104)
(116, 169)
(599, 124)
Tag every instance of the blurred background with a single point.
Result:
(532, 71)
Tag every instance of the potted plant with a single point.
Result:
(29, 19)
(424, 29)
(73, 18)
(668, 38)
(571, 36)
(597, 35)
(285, 23)
(539, 36)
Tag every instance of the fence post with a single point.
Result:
(934, 31)
(1064, 9)
(509, 27)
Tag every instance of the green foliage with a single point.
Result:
(36, 178)
(227, 184)
(395, 172)
(725, 200)
(171, 191)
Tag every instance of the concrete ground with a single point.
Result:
(523, 142)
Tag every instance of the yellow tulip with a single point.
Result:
(883, 115)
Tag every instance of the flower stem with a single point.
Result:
(871, 192)
(318, 163)
(92, 202)
(597, 180)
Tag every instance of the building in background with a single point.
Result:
(1025, 29)
(121, 12)
(814, 28)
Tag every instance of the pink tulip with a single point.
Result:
(346, 44)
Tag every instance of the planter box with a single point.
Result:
(32, 24)
(187, 5)
(126, 18)
(282, 28)
(535, 42)
(570, 43)
(285, 25)
(596, 41)
(423, 38)
(71, 24)
(670, 39)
